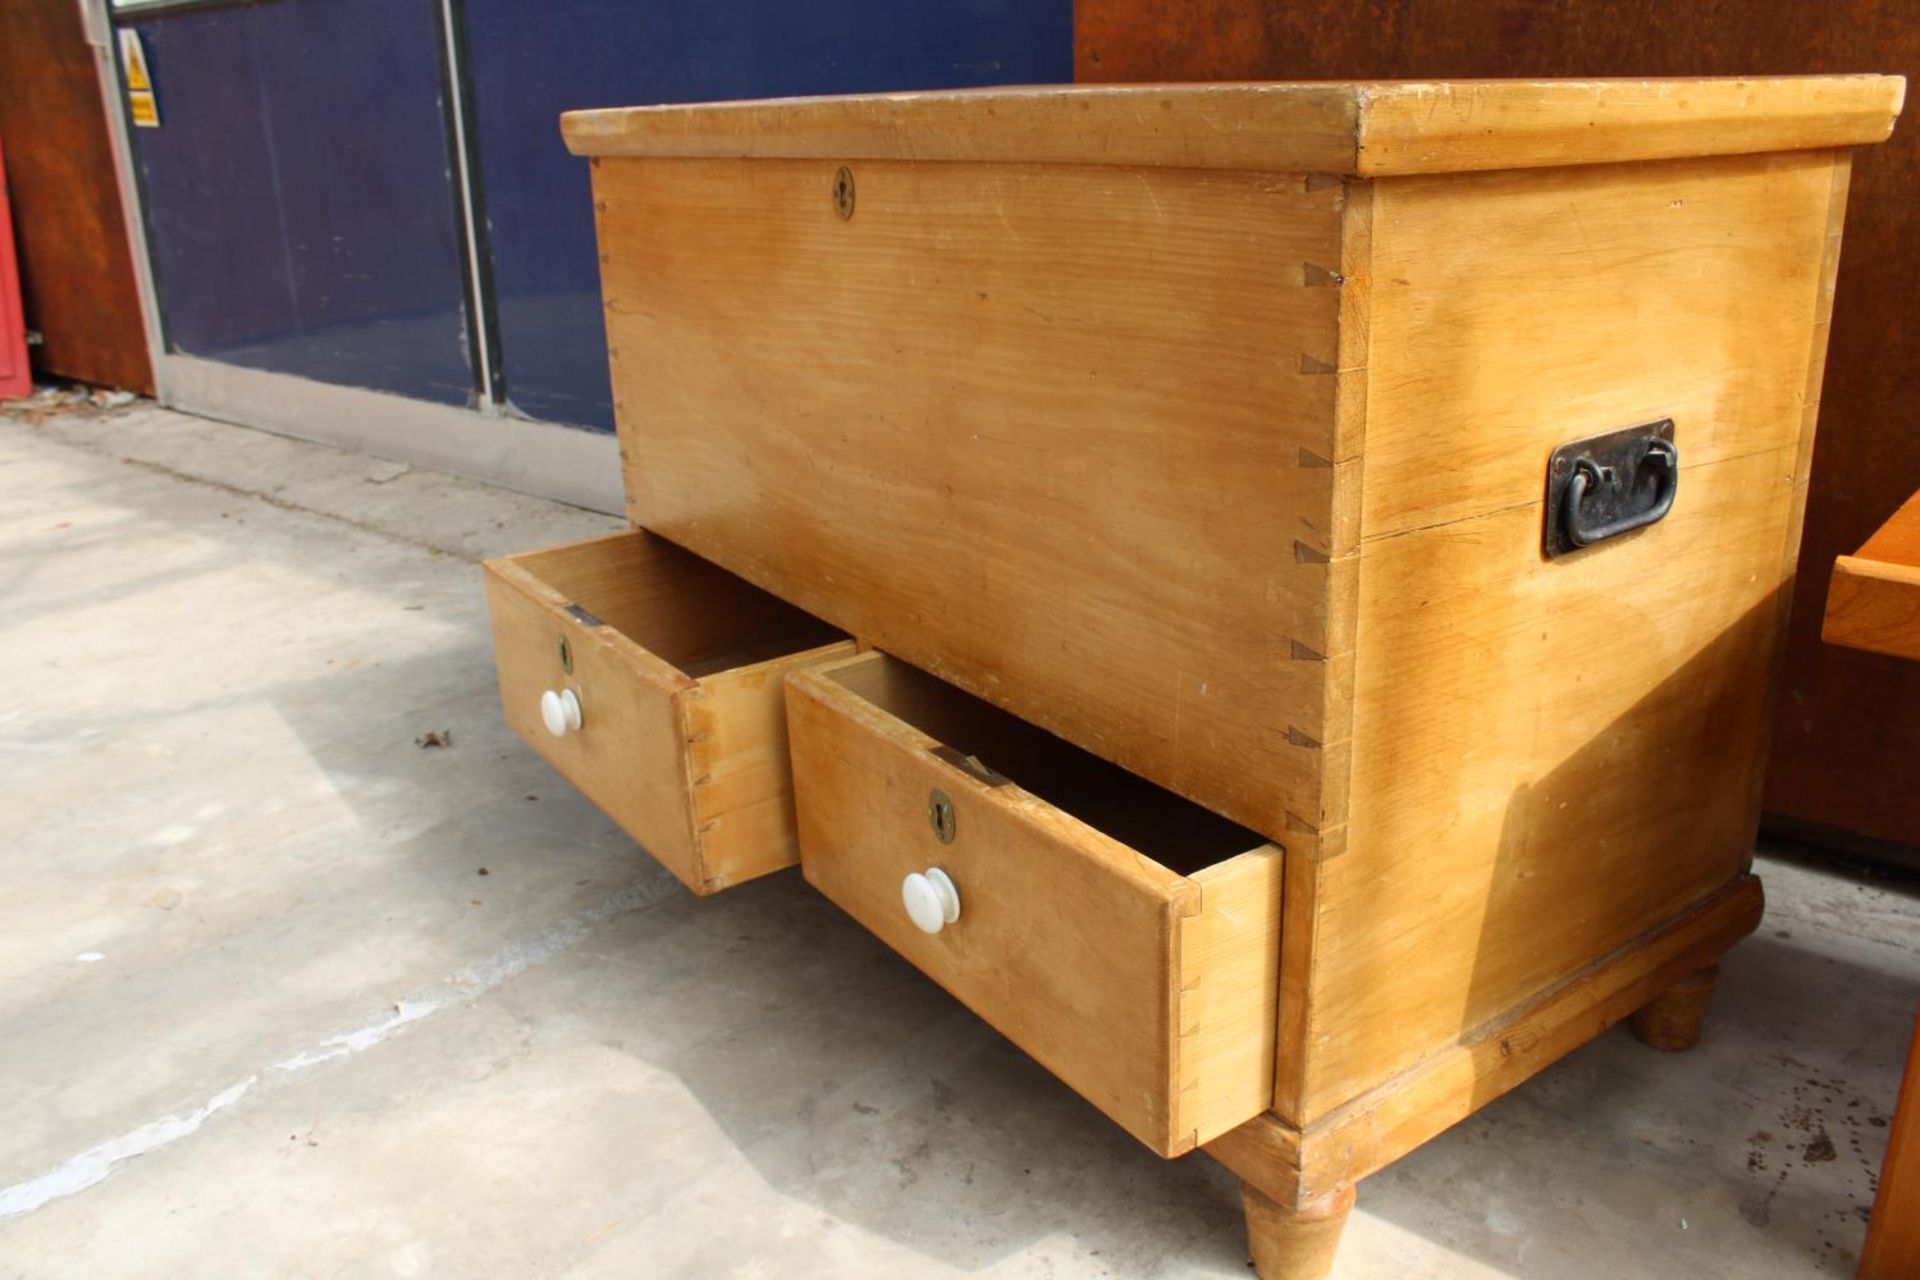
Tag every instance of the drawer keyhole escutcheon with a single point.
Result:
(931, 899)
(843, 192)
(560, 711)
(940, 816)
(566, 656)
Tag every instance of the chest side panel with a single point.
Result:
(1550, 758)
(1061, 435)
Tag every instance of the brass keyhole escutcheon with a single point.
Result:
(940, 816)
(566, 656)
(843, 192)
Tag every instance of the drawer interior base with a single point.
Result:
(686, 611)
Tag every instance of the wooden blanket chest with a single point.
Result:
(1268, 593)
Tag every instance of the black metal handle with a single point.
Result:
(1661, 455)
(1603, 486)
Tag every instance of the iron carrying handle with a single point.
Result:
(1660, 454)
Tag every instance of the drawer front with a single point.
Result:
(693, 766)
(1150, 993)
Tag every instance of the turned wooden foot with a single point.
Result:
(1672, 1021)
(1294, 1243)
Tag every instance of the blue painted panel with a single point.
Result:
(298, 193)
(529, 62)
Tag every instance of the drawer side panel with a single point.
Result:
(738, 764)
(1229, 994)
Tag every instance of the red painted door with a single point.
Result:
(16, 379)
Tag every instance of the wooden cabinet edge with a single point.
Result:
(1476, 126)
(1227, 977)
(1340, 128)
(1295, 1166)
(1860, 592)
(754, 700)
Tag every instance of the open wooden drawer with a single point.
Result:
(1125, 938)
(652, 680)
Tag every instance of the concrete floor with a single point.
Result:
(262, 1013)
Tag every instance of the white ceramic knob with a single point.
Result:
(560, 710)
(932, 901)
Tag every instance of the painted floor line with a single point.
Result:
(92, 1166)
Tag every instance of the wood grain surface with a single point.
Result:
(1893, 1234)
(1292, 1166)
(1063, 436)
(1145, 990)
(1546, 758)
(1358, 128)
(678, 666)
(1516, 311)
(629, 757)
(1874, 600)
(1824, 770)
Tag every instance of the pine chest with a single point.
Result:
(1268, 593)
